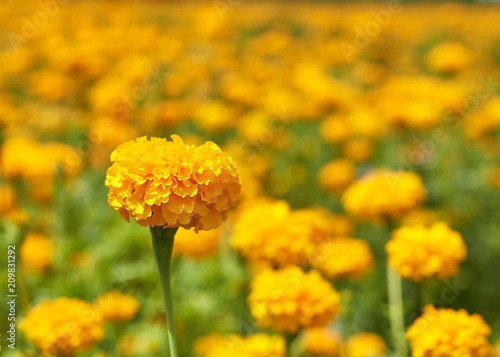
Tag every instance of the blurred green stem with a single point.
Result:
(163, 244)
(289, 340)
(396, 312)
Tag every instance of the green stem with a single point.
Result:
(289, 340)
(163, 244)
(396, 312)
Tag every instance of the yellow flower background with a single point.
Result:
(306, 150)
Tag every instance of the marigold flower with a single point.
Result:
(233, 345)
(358, 149)
(116, 307)
(63, 326)
(448, 57)
(336, 175)
(343, 257)
(8, 200)
(281, 237)
(321, 341)
(384, 194)
(170, 184)
(37, 252)
(448, 332)
(289, 300)
(365, 344)
(416, 252)
(194, 245)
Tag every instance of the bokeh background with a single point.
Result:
(286, 88)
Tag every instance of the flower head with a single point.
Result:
(37, 252)
(447, 332)
(384, 194)
(321, 341)
(365, 344)
(448, 57)
(336, 175)
(417, 252)
(63, 326)
(171, 184)
(116, 306)
(270, 231)
(258, 345)
(343, 257)
(289, 300)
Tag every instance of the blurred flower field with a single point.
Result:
(365, 137)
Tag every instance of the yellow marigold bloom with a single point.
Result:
(258, 345)
(335, 129)
(37, 252)
(63, 326)
(289, 300)
(171, 184)
(448, 332)
(194, 245)
(283, 237)
(343, 257)
(365, 344)
(448, 57)
(384, 194)
(8, 200)
(116, 307)
(358, 149)
(321, 341)
(416, 252)
(336, 175)
(485, 120)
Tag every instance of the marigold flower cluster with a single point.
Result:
(417, 252)
(257, 345)
(37, 252)
(448, 332)
(117, 307)
(63, 327)
(270, 231)
(289, 300)
(384, 194)
(171, 184)
(343, 257)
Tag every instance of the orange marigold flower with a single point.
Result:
(116, 307)
(37, 252)
(194, 245)
(282, 237)
(365, 344)
(289, 300)
(171, 184)
(448, 332)
(63, 326)
(336, 175)
(448, 57)
(343, 257)
(234, 345)
(321, 341)
(384, 194)
(416, 252)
